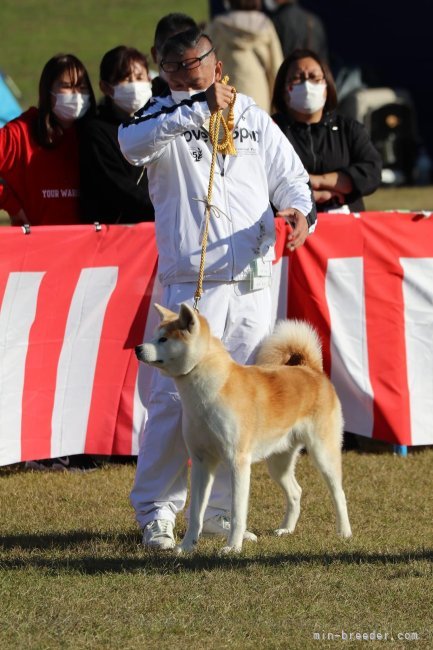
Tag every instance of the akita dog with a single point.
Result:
(242, 414)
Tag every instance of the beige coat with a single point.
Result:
(249, 47)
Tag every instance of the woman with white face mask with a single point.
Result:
(113, 190)
(337, 152)
(40, 163)
(39, 150)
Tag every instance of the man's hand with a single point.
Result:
(298, 223)
(218, 96)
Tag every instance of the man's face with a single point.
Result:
(198, 78)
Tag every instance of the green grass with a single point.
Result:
(401, 198)
(32, 31)
(74, 575)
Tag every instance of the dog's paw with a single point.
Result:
(184, 548)
(230, 550)
(249, 537)
(279, 532)
(345, 533)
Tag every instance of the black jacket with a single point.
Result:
(336, 143)
(111, 189)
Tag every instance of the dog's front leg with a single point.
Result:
(202, 477)
(241, 474)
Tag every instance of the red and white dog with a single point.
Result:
(242, 414)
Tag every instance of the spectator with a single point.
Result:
(297, 28)
(246, 41)
(39, 149)
(337, 151)
(169, 137)
(112, 190)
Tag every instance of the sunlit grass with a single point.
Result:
(73, 573)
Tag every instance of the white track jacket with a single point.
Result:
(171, 141)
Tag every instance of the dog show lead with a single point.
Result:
(227, 148)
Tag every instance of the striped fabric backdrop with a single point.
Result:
(74, 302)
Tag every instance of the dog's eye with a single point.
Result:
(162, 339)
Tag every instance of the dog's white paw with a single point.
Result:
(182, 548)
(345, 533)
(230, 550)
(249, 537)
(279, 532)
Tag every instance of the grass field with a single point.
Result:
(73, 573)
(34, 30)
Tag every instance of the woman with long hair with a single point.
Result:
(39, 149)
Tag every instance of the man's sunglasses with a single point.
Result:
(187, 64)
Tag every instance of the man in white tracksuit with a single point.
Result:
(170, 136)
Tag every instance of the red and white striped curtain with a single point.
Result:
(74, 302)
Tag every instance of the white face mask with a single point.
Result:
(132, 96)
(71, 106)
(307, 97)
(180, 95)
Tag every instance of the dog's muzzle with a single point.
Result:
(147, 353)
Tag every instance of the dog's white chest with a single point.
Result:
(206, 423)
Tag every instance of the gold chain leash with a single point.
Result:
(226, 147)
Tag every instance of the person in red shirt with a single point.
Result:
(39, 150)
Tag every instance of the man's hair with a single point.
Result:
(189, 39)
(169, 25)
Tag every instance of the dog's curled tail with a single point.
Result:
(292, 343)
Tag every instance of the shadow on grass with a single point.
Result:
(62, 541)
(167, 563)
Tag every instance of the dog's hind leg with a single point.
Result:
(202, 478)
(326, 454)
(282, 469)
(241, 474)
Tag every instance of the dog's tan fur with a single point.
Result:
(241, 414)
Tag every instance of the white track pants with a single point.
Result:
(240, 319)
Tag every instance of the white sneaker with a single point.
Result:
(219, 526)
(158, 534)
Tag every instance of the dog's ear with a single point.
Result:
(187, 318)
(164, 313)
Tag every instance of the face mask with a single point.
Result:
(132, 96)
(307, 97)
(180, 95)
(71, 106)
